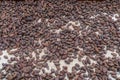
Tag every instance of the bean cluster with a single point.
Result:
(64, 30)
